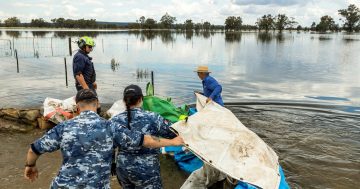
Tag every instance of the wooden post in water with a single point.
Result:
(66, 78)
(152, 82)
(17, 61)
(102, 41)
(52, 51)
(70, 50)
(34, 45)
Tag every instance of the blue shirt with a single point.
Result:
(86, 143)
(147, 123)
(212, 89)
(82, 64)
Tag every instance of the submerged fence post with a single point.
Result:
(17, 61)
(34, 46)
(102, 40)
(70, 50)
(66, 78)
(52, 51)
(152, 82)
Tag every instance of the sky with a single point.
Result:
(214, 11)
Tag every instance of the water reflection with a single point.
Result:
(167, 37)
(14, 34)
(142, 74)
(189, 35)
(232, 37)
(324, 38)
(40, 33)
(264, 37)
(280, 37)
(65, 34)
(114, 64)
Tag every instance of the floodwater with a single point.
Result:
(300, 92)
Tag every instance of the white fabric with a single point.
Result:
(51, 105)
(116, 108)
(216, 136)
(203, 178)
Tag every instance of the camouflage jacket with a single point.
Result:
(86, 143)
(147, 123)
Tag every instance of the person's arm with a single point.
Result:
(31, 172)
(81, 80)
(48, 143)
(127, 138)
(156, 142)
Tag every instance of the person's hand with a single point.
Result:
(178, 141)
(86, 87)
(31, 173)
(95, 85)
(208, 100)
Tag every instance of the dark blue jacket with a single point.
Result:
(212, 89)
(82, 64)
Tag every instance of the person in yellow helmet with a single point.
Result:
(83, 67)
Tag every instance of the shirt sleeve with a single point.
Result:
(125, 137)
(50, 142)
(163, 127)
(78, 65)
(215, 87)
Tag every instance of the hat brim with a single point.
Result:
(199, 71)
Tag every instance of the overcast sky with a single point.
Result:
(215, 11)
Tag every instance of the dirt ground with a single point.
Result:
(14, 146)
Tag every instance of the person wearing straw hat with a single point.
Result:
(211, 88)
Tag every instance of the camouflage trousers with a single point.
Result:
(136, 171)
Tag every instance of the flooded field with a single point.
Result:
(317, 148)
(300, 92)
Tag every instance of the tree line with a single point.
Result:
(350, 22)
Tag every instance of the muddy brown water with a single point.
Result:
(317, 148)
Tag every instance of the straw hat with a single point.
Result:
(203, 69)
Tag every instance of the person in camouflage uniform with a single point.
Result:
(139, 167)
(86, 143)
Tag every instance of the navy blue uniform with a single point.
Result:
(82, 64)
(139, 167)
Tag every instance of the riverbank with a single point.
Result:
(13, 152)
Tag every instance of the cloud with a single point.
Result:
(271, 2)
(93, 2)
(71, 11)
(41, 5)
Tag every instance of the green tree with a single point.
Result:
(313, 26)
(266, 22)
(352, 17)
(38, 22)
(142, 21)
(150, 24)
(233, 23)
(58, 22)
(326, 23)
(281, 21)
(12, 22)
(189, 25)
(167, 21)
(206, 26)
(299, 27)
